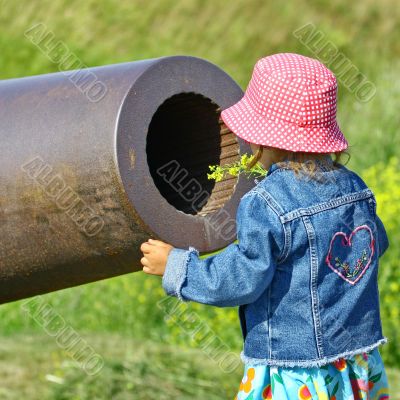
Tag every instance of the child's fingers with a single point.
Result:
(147, 270)
(145, 247)
(157, 242)
(145, 262)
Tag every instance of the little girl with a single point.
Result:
(304, 270)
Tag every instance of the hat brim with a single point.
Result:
(251, 126)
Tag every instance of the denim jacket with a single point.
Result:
(304, 270)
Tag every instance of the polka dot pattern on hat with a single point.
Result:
(290, 103)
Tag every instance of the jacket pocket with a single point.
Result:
(242, 320)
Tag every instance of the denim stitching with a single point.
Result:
(315, 362)
(269, 322)
(379, 309)
(273, 204)
(181, 276)
(314, 275)
(279, 169)
(372, 203)
(288, 243)
(270, 200)
(291, 215)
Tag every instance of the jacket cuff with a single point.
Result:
(176, 271)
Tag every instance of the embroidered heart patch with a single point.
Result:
(350, 256)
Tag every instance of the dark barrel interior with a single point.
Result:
(185, 136)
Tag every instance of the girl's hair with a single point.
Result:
(301, 162)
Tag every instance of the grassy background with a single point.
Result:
(119, 317)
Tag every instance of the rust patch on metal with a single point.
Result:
(132, 158)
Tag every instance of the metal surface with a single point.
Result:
(79, 187)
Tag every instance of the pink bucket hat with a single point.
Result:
(290, 103)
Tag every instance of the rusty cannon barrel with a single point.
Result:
(95, 161)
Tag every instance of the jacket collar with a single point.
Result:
(273, 167)
(325, 165)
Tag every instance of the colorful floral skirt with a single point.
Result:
(357, 378)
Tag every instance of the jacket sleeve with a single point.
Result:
(383, 241)
(238, 274)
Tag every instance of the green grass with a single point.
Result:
(34, 367)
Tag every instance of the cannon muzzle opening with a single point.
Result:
(95, 161)
(186, 128)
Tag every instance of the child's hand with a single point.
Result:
(155, 254)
